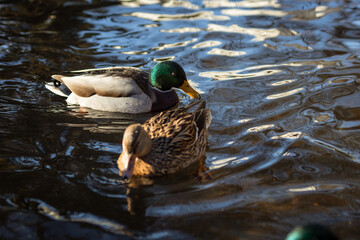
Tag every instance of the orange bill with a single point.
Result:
(189, 90)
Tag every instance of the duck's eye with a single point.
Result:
(174, 74)
(57, 83)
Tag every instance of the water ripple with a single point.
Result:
(206, 15)
(281, 79)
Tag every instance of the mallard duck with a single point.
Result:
(311, 232)
(165, 143)
(124, 89)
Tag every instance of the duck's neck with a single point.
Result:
(164, 100)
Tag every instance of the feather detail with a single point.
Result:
(122, 89)
(178, 139)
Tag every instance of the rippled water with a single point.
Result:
(280, 77)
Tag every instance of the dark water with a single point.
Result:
(280, 77)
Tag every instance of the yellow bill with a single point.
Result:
(189, 90)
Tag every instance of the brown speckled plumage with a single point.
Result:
(178, 139)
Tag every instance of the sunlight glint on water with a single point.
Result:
(281, 79)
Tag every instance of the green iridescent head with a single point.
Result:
(167, 75)
(311, 232)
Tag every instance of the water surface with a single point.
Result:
(280, 77)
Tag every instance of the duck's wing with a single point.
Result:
(178, 135)
(186, 122)
(109, 82)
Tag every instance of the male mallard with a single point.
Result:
(165, 143)
(124, 89)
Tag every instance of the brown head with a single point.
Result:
(136, 143)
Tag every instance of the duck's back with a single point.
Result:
(179, 137)
(113, 82)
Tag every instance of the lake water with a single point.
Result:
(280, 77)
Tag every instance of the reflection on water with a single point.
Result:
(280, 77)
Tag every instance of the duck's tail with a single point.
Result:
(202, 116)
(58, 87)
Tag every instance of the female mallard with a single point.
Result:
(124, 89)
(165, 143)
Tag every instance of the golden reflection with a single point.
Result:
(322, 118)
(236, 74)
(135, 52)
(216, 164)
(259, 34)
(173, 45)
(289, 135)
(230, 75)
(261, 128)
(221, 162)
(256, 12)
(298, 46)
(340, 80)
(153, 25)
(284, 94)
(344, 151)
(294, 45)
(207, 44)
(283, 82)
(245, 120)
(224, 52)
(50, 212)
(138, 3)
(317, 12)
(98, 221)
(262, 66)
(182, 30)
(303, 189)
(168, 58)
(270, 46)
(118, 123)
(244, 4)
(318, 63)
(208, 15)
(180, 3)
(83, 218)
